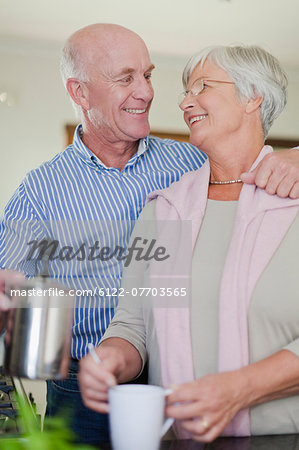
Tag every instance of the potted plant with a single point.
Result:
(55, 435)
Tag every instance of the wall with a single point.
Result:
(33, 130)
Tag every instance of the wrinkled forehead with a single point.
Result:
(119, 56)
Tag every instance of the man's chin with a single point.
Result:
(141, 133)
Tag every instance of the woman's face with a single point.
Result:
(216, 115)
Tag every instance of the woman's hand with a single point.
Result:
(95, 379)
(208, 404)
(120, 362)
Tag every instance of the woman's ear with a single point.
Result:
(253, 104)
(78, 92)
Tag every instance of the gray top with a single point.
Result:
(273, 314)
(207, 266)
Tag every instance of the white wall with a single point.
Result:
(33, 130)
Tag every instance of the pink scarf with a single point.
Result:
(261, 224)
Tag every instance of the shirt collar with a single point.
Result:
(87, 154)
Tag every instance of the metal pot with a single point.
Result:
(38, 330)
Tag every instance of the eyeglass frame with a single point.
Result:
(184, 94)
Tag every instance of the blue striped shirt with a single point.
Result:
(84, 205)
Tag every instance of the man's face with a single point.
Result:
(120, 90)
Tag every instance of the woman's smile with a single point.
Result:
(193, 119)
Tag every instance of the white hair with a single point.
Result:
(71, 66)
(255, 72)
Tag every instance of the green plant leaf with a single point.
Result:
(56, 434)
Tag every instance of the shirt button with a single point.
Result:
(138, 208)
(124, 174)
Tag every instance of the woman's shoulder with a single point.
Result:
(183, 184)
(148, 212)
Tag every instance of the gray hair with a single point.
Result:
(255, 72)
(71, 66)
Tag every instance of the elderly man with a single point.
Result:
(98, 186)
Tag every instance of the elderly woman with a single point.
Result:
(231, 348)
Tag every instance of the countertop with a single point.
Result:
(278, 442)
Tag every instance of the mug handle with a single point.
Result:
(168, 422)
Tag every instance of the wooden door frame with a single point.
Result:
(276, 143)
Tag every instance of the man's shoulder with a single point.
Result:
(171, 143)
(60, 158)
(177, 149)
(46, 174)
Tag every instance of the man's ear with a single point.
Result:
(253, 104)
(78, 92)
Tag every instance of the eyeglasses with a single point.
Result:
(197, 87)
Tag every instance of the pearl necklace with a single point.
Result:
(226, 182)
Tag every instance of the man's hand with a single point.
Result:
(277, 173)
(6, 276)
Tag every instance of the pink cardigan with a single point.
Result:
(261, 223)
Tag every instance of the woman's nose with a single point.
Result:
(187, 102)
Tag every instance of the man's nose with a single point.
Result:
(143, 90)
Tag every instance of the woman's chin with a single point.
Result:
(196, 140)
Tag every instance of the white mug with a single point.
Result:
(137, 416)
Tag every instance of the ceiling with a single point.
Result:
(169, 27)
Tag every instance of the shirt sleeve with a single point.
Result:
(129, 320)
(293, 347)
(19, 226)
